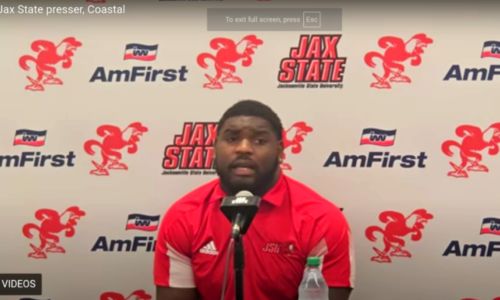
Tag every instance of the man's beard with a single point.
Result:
(263, 182)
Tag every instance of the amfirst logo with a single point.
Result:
(142, 222)
(30, 137)
(376, 137)
(37, 159)
(459, 249)
(140, 52)
(135, 244)
(140, 73)
(490, 226)
(491, 49)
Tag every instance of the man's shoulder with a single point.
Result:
(195, 198)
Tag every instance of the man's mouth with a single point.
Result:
(243, 168)
(242, 171)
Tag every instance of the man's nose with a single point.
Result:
(244, 145)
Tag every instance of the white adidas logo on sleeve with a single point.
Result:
(209, 249)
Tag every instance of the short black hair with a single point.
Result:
(253, 108)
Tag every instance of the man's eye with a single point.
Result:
(260, 141)
(231, 139)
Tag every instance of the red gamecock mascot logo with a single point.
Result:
(51, 224)
(292, 139)
(48, 55)
(397, 226)
(227, 54)
(113, 141)
(474, 140)
(396, 52)
(136, 295)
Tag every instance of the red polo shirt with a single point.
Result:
(293, 222)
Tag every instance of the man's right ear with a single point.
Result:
(281, 149)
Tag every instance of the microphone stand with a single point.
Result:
(239, 261)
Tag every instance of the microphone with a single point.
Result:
(240, 210)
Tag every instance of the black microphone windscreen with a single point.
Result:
(240, 209)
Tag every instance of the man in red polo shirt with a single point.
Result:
(292, 223)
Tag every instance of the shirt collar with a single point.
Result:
(274, 196)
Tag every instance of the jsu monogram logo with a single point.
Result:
(396, 53)
(292, 141)
(135, 295)
(52, 223)
(474, 141)
(397, 227)
(48, 55)
(228, 52)
(279, 248)
(113, 141)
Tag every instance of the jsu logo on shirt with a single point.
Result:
(278, 248)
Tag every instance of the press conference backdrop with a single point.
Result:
(391, 110)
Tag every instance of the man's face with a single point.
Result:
(247, 155)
